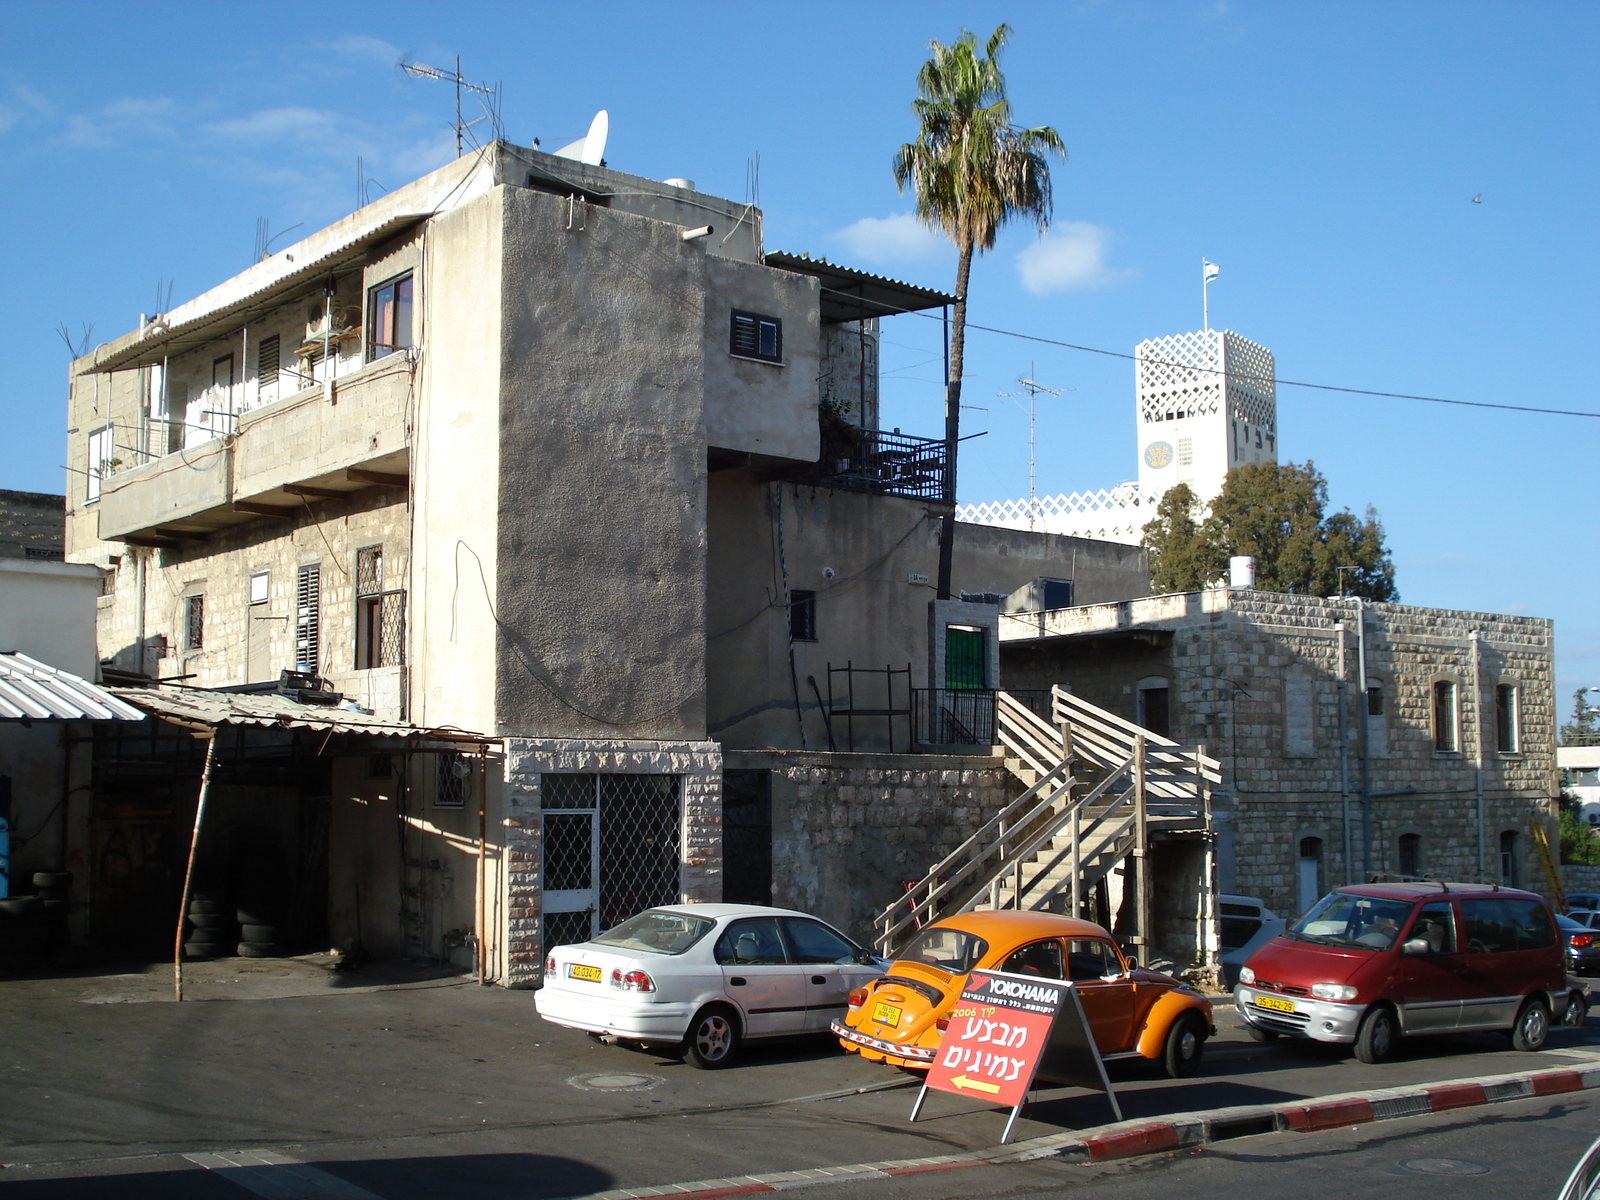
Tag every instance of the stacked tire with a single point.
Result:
(210, 929)
(258, 933)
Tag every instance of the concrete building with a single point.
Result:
(1580, 777)
(565, 457)
(1436, 762)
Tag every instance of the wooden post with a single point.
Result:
(188, 874)
(483, 837)
(1141, 848)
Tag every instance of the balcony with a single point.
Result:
(306, 447)
(870, 460)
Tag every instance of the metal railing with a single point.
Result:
(965, 716)
(896, 463)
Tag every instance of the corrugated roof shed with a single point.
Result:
(34, 691)
(200, 708)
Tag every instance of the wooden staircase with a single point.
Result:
(1096, 789)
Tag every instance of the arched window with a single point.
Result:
(1410, 857)
(1508, 858)
(1308, 873)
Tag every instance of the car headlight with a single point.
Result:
(1333, 991)
(1246, 975)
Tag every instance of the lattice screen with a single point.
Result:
(1116, 514)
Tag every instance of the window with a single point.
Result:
(450, 787)
(1436, 925)
(194, 622)
(1185, 452)
(1508, 858)
(756, 336)
(260, 585)
(802, 616)
(1042, 959)
(1154, 709)
(814, 942)
(1410, 853)
(1444, 716)
(1090, 959)
(1377, 721)
(101, 455)
(380, 614)
(308, 617)
(380, 766)
(389, 318)
(751, 944)
(966, 654)
(1508, 718)
(268, 362)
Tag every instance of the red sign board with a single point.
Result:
(998, 1032)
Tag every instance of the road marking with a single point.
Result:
(278, 1177)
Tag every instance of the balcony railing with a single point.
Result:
(870, 460)
(964, 716)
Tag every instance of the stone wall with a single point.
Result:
(849, 831)
(698, 766)
(1579, 879)
(32, 525)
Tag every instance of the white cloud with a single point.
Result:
(1070, 257)
(897, 238)
(132, 116)
(366, 47)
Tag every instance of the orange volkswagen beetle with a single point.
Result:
(901, 1018)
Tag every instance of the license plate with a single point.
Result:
(579, 971)
(886, 1014)
(1274, 1004)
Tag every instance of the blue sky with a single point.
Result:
(1325, 155)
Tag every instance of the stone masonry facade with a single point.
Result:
(698, 766)
(1259, 679)
(849, 831)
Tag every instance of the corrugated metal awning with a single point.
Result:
(851, 295)
(200, 708)
(34, 691)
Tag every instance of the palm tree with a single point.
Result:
(972, 171)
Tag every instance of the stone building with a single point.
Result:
(560, 455)
(1435, 762)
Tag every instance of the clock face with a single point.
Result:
(1158, 454)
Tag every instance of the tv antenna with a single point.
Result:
(491, 106)
(1032, 392)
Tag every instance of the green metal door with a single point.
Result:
(964, 658)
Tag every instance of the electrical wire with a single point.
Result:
(1299, 383)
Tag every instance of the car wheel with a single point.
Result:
(1532, 1027)
(1375, 1040)
(1577, 1010)
(1186, 1041)
(713, 1038)
(1259, 1034)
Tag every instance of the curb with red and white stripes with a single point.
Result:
(1129, 1139)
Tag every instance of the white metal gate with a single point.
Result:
(611, 849)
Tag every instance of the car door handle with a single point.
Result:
(736, 981)
(819, 979)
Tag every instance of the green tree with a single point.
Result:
(972, 170)
(1584, 728)
(1277, 515)
(1580, 846)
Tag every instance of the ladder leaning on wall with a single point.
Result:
(1552, 872)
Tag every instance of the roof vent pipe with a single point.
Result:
(686, 184)
(1241, 571)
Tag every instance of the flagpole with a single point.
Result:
(1205, 294)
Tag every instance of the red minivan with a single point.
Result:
(1371, 963)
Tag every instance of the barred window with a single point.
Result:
(380, 614)
(802, 616)
(194, 622)
(450, 788)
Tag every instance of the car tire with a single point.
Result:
(1186, 1042)
(713, 1038)
(1532, 1026)
(1577, 1010)
(1258, 1034)
(1378, 1035)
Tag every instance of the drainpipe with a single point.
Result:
(1366, 741)
(139, 572)
(1344, 751)
(1477, 745)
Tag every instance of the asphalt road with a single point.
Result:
(446, 1088)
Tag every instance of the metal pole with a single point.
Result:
(483, 837)
(1366, 740)
(1141, 849)
(188, 874)
(1477, 740)
(1205, 293)
(921, 1096)
(1344, 751)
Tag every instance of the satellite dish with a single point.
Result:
(590, 148)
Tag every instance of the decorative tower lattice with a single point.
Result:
(1206, 404)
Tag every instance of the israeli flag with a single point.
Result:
(1211, 270)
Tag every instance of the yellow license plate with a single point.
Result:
(1274, 1004)
(579, 971)
(886, 1014)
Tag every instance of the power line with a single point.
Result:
(1320, 387)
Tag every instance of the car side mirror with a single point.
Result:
(1416, 946)
(1133, 963)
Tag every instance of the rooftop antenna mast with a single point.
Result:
(424, 71)
(1033, 390)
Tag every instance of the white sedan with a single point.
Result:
(704, 977)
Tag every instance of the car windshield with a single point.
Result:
(1349, 919)
(947, 949)
(656, 931)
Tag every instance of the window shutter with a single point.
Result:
(308, 617)
(746, 337)
(267, 362)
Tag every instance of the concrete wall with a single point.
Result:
(849, 831)
(762, 408)
(990, 559)
(1255, 677)
(47, 611)
(601, 488)
(32, 525)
